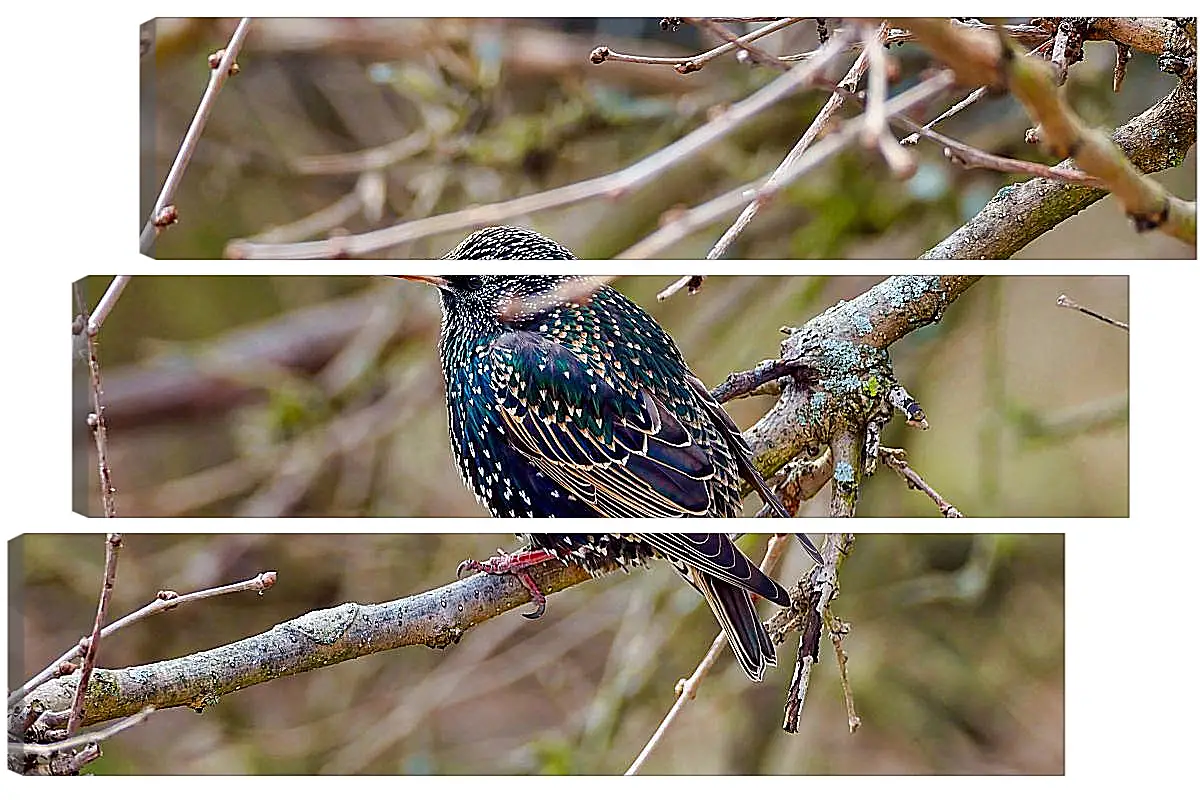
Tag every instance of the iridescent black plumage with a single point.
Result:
(568, 400)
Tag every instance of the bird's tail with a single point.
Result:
(735, 611)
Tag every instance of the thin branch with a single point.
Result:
(96, 420)
(810, 616)
(957, 151)
(226, 65)
(686, 223)
(897, 459)
(965, 103)
(838, 631)
(767, 191)
(687, 688)
(980, 58)
(610, 186)
(686, 691)
(165, 601)
(1032, 35)
(106, 304)
(112, 549)
(961, 105)
(875, 132)
(1157, 139)
(1067, 302)
(93, 737)
(697, 62)
(690, 282)
(740, 42)
(973, 158)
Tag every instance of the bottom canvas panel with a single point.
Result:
(352, 654)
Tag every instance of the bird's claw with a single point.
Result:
(535, 596)
(470, 565)
(515, 565)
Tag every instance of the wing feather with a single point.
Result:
(716, 555)
(625, 456)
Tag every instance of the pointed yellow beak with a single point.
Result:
(432, 280)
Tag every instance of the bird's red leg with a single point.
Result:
(515, 564)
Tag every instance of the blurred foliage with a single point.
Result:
(956, 662)
(486, 110)
(1027, 401)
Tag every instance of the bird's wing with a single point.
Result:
(624, 456)
(714, 554)
(734, 610)
(741, 453)
(737, 445)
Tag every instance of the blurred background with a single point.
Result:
(956, 661)
(323, 396)
(351, 125)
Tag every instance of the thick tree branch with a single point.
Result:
(1158, 138)
(836, 369)
(437, 618)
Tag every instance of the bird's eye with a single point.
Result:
(465, 283)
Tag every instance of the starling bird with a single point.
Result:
(566, 399)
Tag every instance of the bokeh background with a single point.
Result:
(323, 396)
(956, 662)
(464, 112)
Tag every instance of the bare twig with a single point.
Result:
(690, 282)
(875, 132)
(686, 689)
(809, 615)
(92, 737)
(165, 601)
(611, 186)
(96, 421)
(112, 548)
(684, 66)
(961, 105)
(1157, 139)
(979, 58)
(106, 304)
(838, 630)
(960, 152)
(220, 71)
(766, 192)
(1067, 302)
(714, 26)
(702, 215)
(974, 158)
(897, 459)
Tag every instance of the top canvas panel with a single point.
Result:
(777, 138)
(543, 396)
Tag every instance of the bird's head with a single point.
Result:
(508, 244)
(473, 301)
